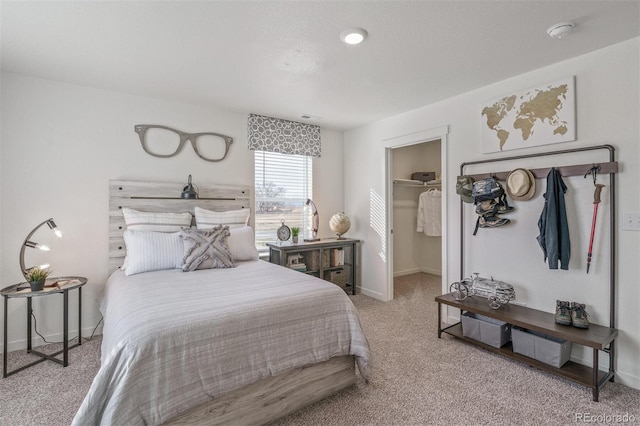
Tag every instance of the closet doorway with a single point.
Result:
(416, 252)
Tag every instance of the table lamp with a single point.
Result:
(28, 243)
(316, 222)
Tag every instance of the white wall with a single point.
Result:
(413, 251)
(61, 144)
(607, 113)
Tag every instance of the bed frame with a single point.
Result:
(257, 403)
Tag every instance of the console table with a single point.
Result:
(596, 337)
(319, 259)
(53, 286)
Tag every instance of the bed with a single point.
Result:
(241, 345)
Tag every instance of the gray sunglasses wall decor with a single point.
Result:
(165, 142)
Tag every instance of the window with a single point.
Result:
(283, 184)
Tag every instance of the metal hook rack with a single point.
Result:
(594, 172)
(610, 167)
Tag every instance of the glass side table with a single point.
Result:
(52, 286)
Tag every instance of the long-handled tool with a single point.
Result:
(596, 202)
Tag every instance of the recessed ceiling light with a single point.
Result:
(353, 35)
(560, 29)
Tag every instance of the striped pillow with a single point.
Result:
(157, 222)
(206, 219)
(152, 251)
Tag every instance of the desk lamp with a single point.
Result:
(28, 243)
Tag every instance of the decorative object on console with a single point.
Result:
(294, 234)
(209, 146)
(340, 224)
(283, 232)
(28, 243)
(189, 191)
(316, 222)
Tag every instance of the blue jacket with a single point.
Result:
(553, 225)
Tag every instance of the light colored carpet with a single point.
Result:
(417, 379)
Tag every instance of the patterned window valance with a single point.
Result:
(283, 136)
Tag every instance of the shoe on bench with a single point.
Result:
(579, 315)
(563, 312)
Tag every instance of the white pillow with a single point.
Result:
(233, 218)
(152, 251)
(242, 244)
(157, 222)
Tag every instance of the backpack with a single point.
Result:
(490, 198)
(487, 189)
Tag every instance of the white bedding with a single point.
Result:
(173, 340)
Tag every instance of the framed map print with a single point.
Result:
(539, 116)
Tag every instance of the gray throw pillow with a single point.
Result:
(206, 249)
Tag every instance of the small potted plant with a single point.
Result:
(294, 234)
(37, 277)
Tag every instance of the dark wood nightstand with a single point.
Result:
(330, 259)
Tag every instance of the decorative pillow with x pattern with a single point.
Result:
(206, 249)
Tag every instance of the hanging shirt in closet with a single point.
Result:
(430, 213)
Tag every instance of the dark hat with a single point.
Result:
(464, 188)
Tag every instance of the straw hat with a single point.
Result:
(521, 184)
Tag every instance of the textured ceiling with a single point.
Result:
(285, 59)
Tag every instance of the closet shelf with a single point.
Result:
(412, 182)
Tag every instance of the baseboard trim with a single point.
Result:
(21, 344)
(417, 270)
(628, 379)
(431, 271)
(406, 272)
(371, 293)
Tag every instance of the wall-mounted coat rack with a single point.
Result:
(592, 377)
(610, 167)
(541, 173)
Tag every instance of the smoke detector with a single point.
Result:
(560, 29)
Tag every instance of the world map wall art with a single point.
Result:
(539, 116)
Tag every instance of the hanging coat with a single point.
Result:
(554, 228)
(430, 213)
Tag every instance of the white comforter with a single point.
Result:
(173, 340)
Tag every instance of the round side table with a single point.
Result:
(52, 286)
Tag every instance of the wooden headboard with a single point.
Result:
(164, 197)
